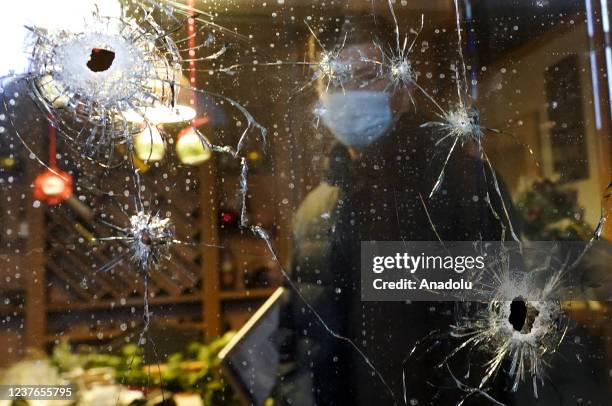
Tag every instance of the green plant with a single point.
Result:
(550, 213)
(195, 370)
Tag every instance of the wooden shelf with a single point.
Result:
(131, 302)
(10, 310)
(259, 293)
(44, 308)
(113, 333)
(80, 336)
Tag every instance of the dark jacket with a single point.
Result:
(376, 197)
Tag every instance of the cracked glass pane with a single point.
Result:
(304, 202)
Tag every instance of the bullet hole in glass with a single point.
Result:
(100, 60)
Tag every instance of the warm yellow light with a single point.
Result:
(160, 115)
(53, 91)
(7, 162)
(53, 186)
(149, 145)
(191, 149)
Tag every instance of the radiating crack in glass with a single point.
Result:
(332, 71)
(399, 67)
(462, 124)
(148, 238)
(471, 390)
(95, 115)
(395, 65)
(330, 68)
(521, 327)
(261, 233)
(101, 85)
(603, 218)
(523, 323)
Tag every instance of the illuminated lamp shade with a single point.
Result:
(161, 115)
(190, 148)
(53, 186)
(149, 145)
(53, 92)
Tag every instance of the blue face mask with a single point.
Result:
(356, 118)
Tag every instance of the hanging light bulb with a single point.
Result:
(149, 145)
(190, 148)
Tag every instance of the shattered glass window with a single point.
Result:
(191, 191)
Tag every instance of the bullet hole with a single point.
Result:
(146, 238)
(522, 315)
(518, 313)
(100, 59)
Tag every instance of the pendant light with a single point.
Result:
(149, 145)
(53, 185)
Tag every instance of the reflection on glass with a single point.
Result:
(135, 246)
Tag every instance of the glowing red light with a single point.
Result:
(53, 186)
(228, 218)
